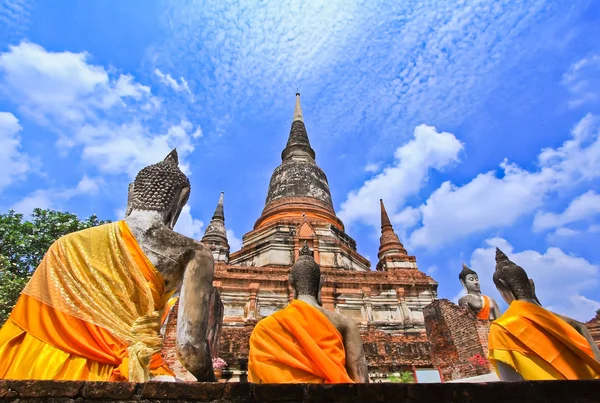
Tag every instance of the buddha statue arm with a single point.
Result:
(192, 322)
(581, 329)
(506, 373)
(356, 362)
(496, 313)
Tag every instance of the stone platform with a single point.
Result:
(498, 392)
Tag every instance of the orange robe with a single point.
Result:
(484, 313)
(539, 345)
(297, 345)
(40, 340)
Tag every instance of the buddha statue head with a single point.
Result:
(512, 281)
(470, 280)
(160, 187)
(305, 275)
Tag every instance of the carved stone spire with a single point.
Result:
(298, 109)
(299, 184)
(298, 145)
(391, 250)
(215, 236)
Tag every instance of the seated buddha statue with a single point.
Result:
(93, 307)
(479, 305)
(305, 343)
(529, 342)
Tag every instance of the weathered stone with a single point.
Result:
(455, 337)
(342, 393)
(278, 393)
(498, 392)
(187, 390)
(111, 390)
(31, 388)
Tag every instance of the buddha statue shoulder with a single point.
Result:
(479, 305)
(529, 342)
(304, 332)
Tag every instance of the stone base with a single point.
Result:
(497, 392)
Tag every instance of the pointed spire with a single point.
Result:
(298, 144)
(390, 247)
(215, 236)
(298, 109)
(385, 220)
(219, 211)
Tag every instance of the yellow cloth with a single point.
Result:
(539, 345)
(484, 313)
(91, 311)
(297, 345)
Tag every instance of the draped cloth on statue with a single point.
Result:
(539, 345)
(91, 311)
(484, 313)
(297, 345)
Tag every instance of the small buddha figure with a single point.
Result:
(305, 343)
(529, 342)
(479, 305)
(94, 306)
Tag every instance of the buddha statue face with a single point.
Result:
(472, 283)
(160, 187)
(470, 280)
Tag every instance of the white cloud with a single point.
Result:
(581, 208)
(429, 149)
(235, 243)
(187, 225)
(115, 120)
(14, 163)
(373, 167)
(171, 82)
(489, 202)
(55, 198)
(583, 80)
(61, 86)
(561, 280)
(129, 148)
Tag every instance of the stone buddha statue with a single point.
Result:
(305, 342)
(96, 302)
(479, 305)
(157, 197)
(529, 342)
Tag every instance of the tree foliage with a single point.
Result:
(405, 377)
(23, 244)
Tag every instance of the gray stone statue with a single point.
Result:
(479, 305)
(156, 198)
(537, 334)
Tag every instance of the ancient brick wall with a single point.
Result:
(455, 337)
(593, 327)
(157, 392)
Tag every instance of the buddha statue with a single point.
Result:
(94, 306)
(529, 342)
(479, 305)
(305, 343)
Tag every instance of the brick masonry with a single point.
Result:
(455, 337)
(594, 328)
(497, 392)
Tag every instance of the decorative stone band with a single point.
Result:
(293, 207)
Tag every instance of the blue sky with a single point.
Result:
(477, 122)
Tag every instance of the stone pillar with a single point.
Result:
(252, 308)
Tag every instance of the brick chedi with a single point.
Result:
(386, 304)
(215, 236)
